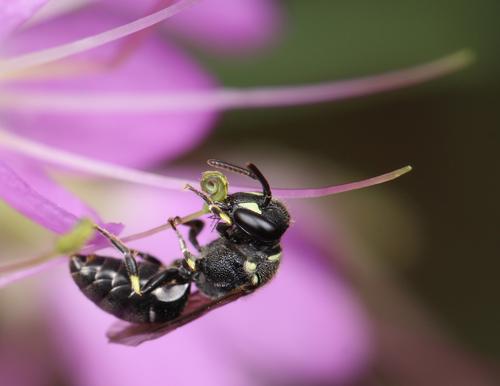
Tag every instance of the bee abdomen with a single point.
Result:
(104, 280)
(96, 276)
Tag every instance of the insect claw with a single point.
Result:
(174, 221)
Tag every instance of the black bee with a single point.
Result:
(245, 256)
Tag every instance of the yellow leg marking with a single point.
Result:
(255, 280)
(191, 264)
(274, 258)
(225, 218)
(249, 266)
(136, 286)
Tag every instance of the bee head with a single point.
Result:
(251, 216)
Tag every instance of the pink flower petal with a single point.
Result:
(14, 12)
(60, 213)
(34, 176)
(139, 139)
(48, 55)
(235, 26)
(232, 26)
(22, 197)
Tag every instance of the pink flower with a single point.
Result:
(227, 27)
(155, 66)
(127, 104)
(305, 325)
(14, 13)
(306, 321)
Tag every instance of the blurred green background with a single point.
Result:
(447, 129)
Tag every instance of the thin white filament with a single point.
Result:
(226, 98)
(48, 55)
(100, 168)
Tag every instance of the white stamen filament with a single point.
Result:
(227, 98)
(60, 157)
(100, 168)
(48, 55)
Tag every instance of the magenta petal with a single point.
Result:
(156, 66)
(22, 197)
(233, 26)
(14, 12)
(62, 51)
(229, 26)
(34, 176)
(28, 195)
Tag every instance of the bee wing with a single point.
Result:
(198, 305)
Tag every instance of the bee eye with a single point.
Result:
(256, 225)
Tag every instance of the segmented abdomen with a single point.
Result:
(104, 280)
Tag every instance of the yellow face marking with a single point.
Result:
(249, 266)
(274, 258)
(225, 218)
(251, 206)
(136, 286)
(255, 280)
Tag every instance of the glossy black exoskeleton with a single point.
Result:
(105, 281)
(245, 256)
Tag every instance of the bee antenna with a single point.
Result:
(230, 167)
(266, 189)
(250, 171)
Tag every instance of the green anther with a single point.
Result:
(215, 184)
(76, 239)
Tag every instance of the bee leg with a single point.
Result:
(195, 228)
(128, 255)
(189, 261)
(167, 276)
(215, 208)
